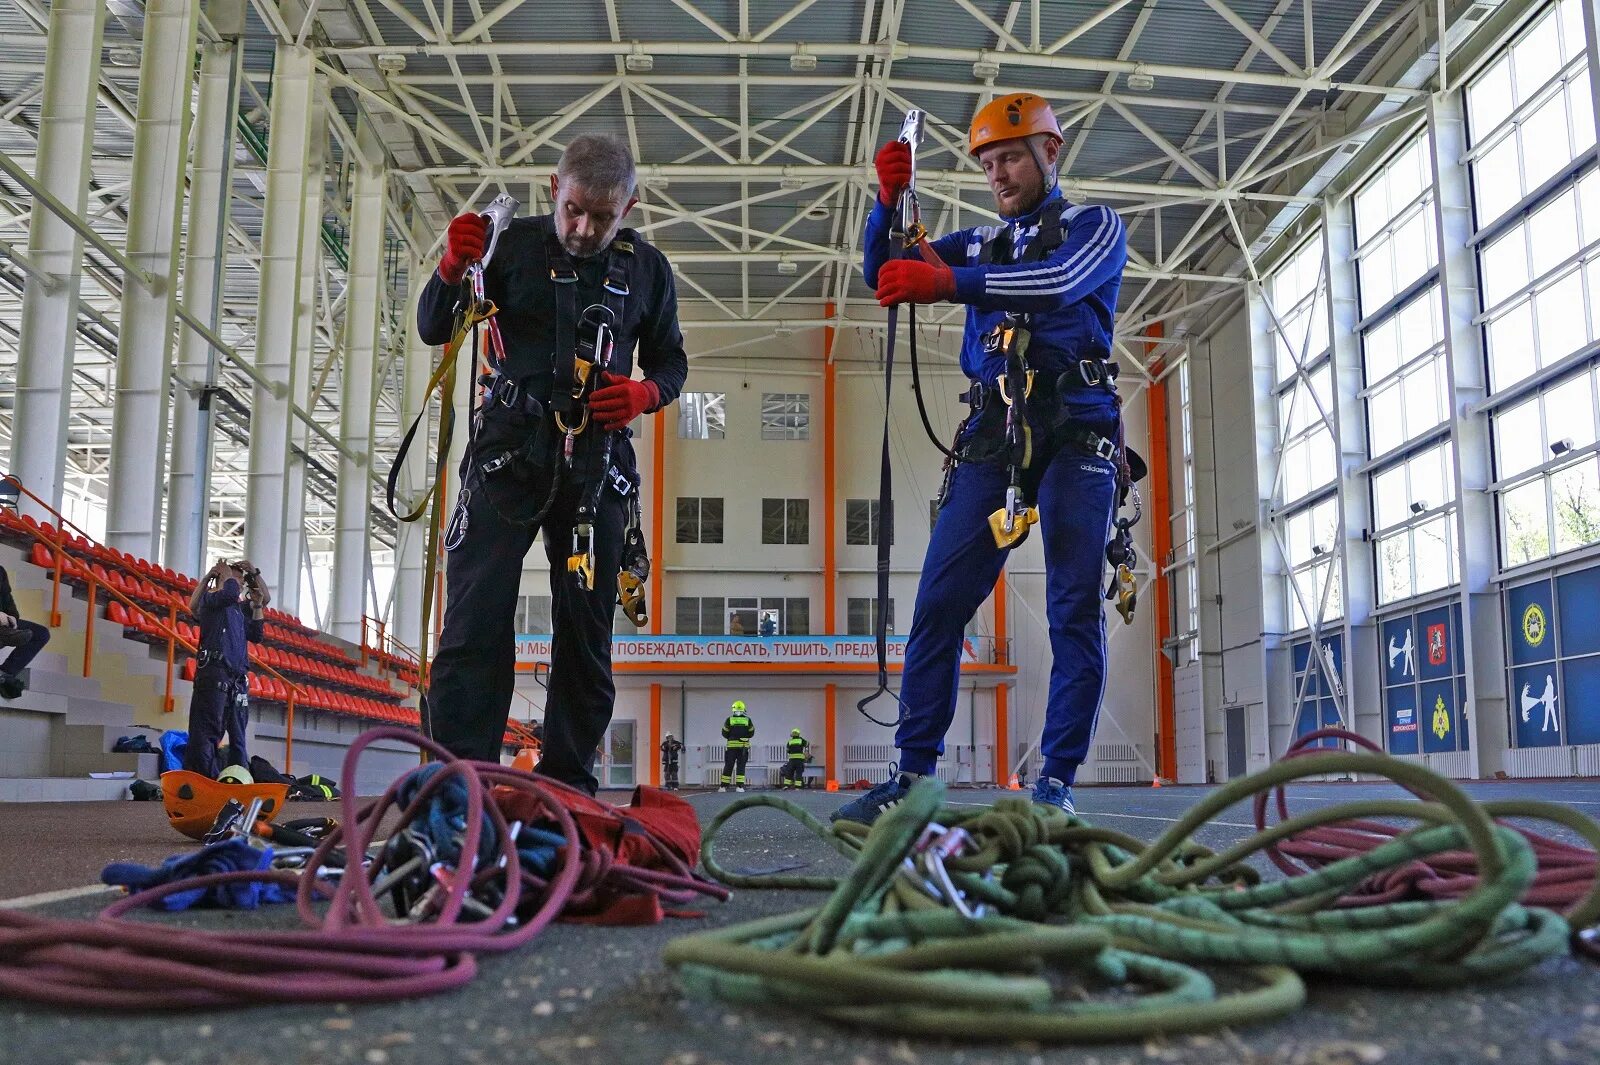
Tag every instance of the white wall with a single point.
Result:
(1227, 502)
(743, 469)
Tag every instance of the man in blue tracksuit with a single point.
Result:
(1057, 268)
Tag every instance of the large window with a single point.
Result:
(702, 415)
(1185, 575)
(1529, 112)
(1407, 386)
(1546, 458)
(1541, 284)
(533, 614)
(862, 522)
(1403, 356)
(1413, 508)
(786, 521)
(785, 416)
(699, 520)
(1308, 460)
(1311, 536)
(701, 616)
(1297, 294)
(861, 616)
(1537, 201)
(1395, 241)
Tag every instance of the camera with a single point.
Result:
(252, 576)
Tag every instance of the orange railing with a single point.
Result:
(56, 541)
(400, 659)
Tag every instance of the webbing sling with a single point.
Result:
(886, 530)
(432, 501)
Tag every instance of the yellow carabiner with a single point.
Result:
(1005, 389)
(1127, 594)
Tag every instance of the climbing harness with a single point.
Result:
(1019, 921)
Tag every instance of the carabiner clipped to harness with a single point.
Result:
(596, 338)
(581, 562)
(1010, 524)
(1123, 589)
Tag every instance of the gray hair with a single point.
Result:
(600, 162)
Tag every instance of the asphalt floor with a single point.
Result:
(581, 994)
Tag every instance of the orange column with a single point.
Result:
(830, 548)
(658, 488)
(655, 735)
(1161, 585)
(1002, 694)
(830, 545)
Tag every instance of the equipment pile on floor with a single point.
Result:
(1008, 922)
(1021, 922)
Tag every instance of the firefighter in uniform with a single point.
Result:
(671, 751)
(738, 730)
(550, 450)
(794, 771)
(1044, 427)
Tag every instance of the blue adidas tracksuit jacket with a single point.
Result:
(1071, 296)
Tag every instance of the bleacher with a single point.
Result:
(327, 677)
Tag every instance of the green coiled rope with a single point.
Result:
(1126, 925)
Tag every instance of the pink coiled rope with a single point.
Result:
(351, 951)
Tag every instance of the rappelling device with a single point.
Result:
(635, 567)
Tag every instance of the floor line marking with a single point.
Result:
(44, 898)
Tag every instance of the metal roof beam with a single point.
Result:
(886, 51)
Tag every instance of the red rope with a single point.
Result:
(349, 952)
(1566, 873)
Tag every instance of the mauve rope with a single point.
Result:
(351, 952)
(1566, 875)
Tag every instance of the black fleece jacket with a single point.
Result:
(518, 281)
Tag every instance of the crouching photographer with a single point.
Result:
(229, 604)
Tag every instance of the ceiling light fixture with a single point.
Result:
(639, 61)
(802, 61)
(788, 266)
(987, 68)
(123, 56)
(1141, 80)
(391, 63)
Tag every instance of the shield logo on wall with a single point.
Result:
(1438, 651)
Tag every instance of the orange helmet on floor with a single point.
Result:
(1019, 114)
(193, 800)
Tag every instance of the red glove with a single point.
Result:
(464, 242)
(622, 400)
(894, 171)
(914, 281)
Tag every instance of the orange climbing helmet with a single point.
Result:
(1019, 114)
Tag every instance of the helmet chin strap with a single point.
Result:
(1047, 171)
